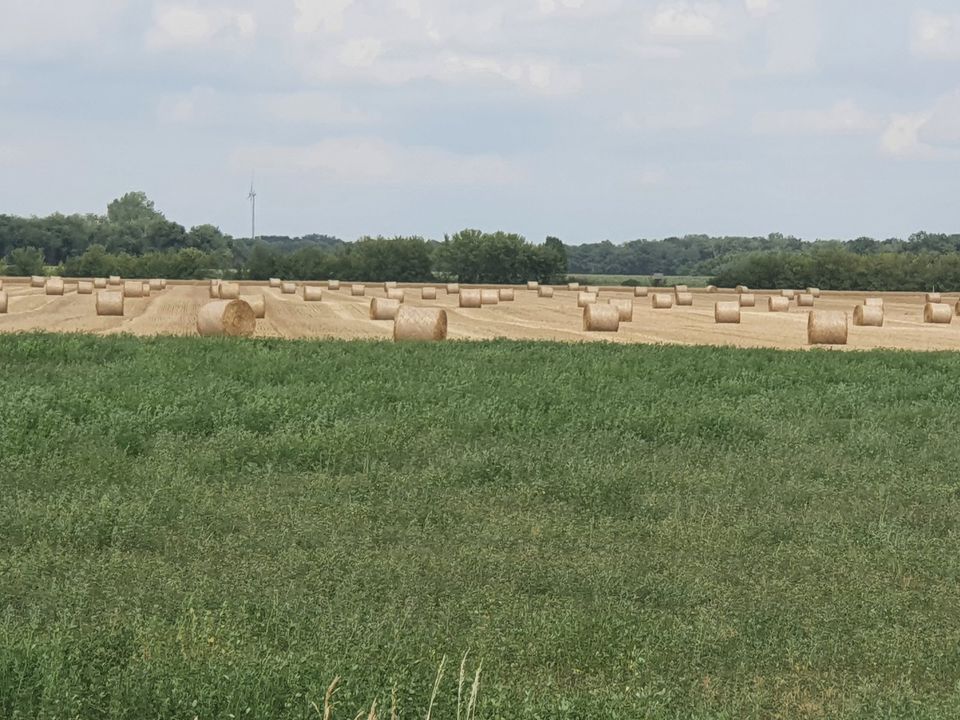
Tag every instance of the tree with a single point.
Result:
(25, 261)
(133, 207)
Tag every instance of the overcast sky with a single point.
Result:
(586, 119)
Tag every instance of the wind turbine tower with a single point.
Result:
(252, 197)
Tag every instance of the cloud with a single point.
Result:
(684, 21)
(759, 8)
(53, 28)
(901, 138)
(932, 134)
(843, 118)
(314, 15)
(180, 25)
(360, 53)
(942, 128)
(935, 36)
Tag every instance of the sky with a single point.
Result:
(589, 120)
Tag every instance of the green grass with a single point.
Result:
(216, 529)
(696, 281)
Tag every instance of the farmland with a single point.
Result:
(217, 528)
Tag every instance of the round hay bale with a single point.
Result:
(84, 288)
(727, 312)
(418, 323)
(163, 283)
(711, 288)
(489, 297)
(677, 289)
(214, 282)
(390, 285)
(868, 316)
(749, 300)
(586, 298)
(333, 284)
(383, 308)
(99, 283)
(533, 285)
(358, 290)
(312, 293)
(115, 280)
(214, 291)
(545, 292)
(934, 298)
(229, 318)
(53, 286)
(601, 318)
(229, 291)
(641, 291)
(778, 303)
(428, 293)
(470, 299)
(661, 301)
(288, 288)
(506, 295)
(813, 291)
(275, 282)
(453, 288)
(825, 327)
(133, 289)
(937, 313)
(257, 303)
(146, 289)
(110, 302)
(573, 286)
(396, 294)
(625, 308)
(156, 284)
(592, 289)
(684, 299)
(804, 300)
(37, 281)
(4, 301)
(788, 294)
(873, 302)
(742, 290)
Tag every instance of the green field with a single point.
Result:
(215, 529)
(697, 281)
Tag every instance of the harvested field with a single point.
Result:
(529, 317)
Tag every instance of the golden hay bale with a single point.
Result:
(958, 308)
(533, 285)
(99, 283)
(625, 308)
(275, 282)
(230, 318)
(727, 312)
(84, 288)
(641, 291)
(470, 299)
(788, 294)
(506, 295)
(312, 293)
(489, 297)
(37, 281)
(110, 302)
(804, 300)
(156, 284)
(813, 291)
(396, 294)
(288, 288)
(146, 289)
(133, 289)
(428, 293)
(3, 301)
(778, 304)
(114, 280)
(418, 323)
(214, 291)
(661, 301)
(826, 327)
(868, 316)
(937, 313)
(383, 308)
(53, 286)
(684, 299)
(257, 303)
(333, 284)
(601, 318)
(214, 282)
(163, 283)
(358, 290)
(873, 302)
(390, 285)
(677, 289)
(573, 286)
(453, 288)
(742, 289)
(749, 300)
(586, 298)
(934, 298)
(545, 292)
(711, 288)
(229, 290)
(592, 289)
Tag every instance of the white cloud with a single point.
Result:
(683, 20)
(935, 36)
(360, 53)
(942, 128)
(901, 138)
(314, 15)
(759, 8)
(180, 25)
(52, 28)
(845, 117)
(928, 135)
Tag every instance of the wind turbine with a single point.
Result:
(252, 197)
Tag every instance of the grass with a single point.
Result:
(218, 529)
(696, 281)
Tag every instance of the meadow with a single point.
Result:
(216, 529)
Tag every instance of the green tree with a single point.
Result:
(26, 261)
(133, 207)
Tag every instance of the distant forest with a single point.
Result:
(134, 239)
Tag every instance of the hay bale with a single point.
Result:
(685, 299)
(288, 288)
(396, 294)
(573, 286)
(110, 302)
(389, 285)
(358, 290)
(937, 313)
(214, 291)
(813, 291)
(115, 280)
(428, 293)
(163, 283)
(934, 298)
(661, 301)
(275, 282)
(53, 286)
(333, 284)
(489, 297)
(37, 281)
(742, 290)
(229, 291)
(384, 308)
(214, 282)
(625, 308)
(868, 316)
(99, 283)
(592, 289)
(749, 300)
(711, 288)
(133, 289)
(156, 284)
(226, 318)
(418, 323)
(470, 299)
(533, 285)
(788, 294)
(146, 289)
(678, 289)
(641, 291)
(257, 303)
(453, 288)
(777, 304)
(506, 295)
(873, 302)
(312, 293)
(545, 292)
(601, 318)
(825, 327)
(84, 288)
(4, 301)
(586, 298)
(727, 312)
(804, 300)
